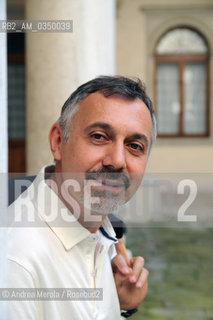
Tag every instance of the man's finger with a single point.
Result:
(121, 249)
(120, 280)
(143, 278)
(137, 264)
(119, 263)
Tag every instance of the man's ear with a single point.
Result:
(55, 140)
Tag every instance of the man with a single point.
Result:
(100, 144)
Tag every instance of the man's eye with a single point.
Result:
(136, 146)
(97, 136)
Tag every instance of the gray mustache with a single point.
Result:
(108, 174)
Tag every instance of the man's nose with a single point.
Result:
(115, 156)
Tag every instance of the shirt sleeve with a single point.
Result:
(18, 277)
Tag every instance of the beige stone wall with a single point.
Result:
(140, 23)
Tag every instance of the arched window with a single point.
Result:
(182, 96)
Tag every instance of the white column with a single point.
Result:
(57, 63)
(3, 154)
(95, 29)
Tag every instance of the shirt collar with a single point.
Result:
(61, 221)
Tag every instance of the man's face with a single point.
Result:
(108, 146)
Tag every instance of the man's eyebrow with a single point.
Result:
(102, 125)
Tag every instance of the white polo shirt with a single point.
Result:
(58, 254)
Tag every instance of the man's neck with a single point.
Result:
(90, 220)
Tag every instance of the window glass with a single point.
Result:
(181, 40)
(168, 98)
(195, 98)
(16, 102)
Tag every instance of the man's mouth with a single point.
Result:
(111, 183)
(109, 179)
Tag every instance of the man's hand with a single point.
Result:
(130, 278)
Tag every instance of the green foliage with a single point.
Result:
(180, 262)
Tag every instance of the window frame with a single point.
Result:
(181, 60)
